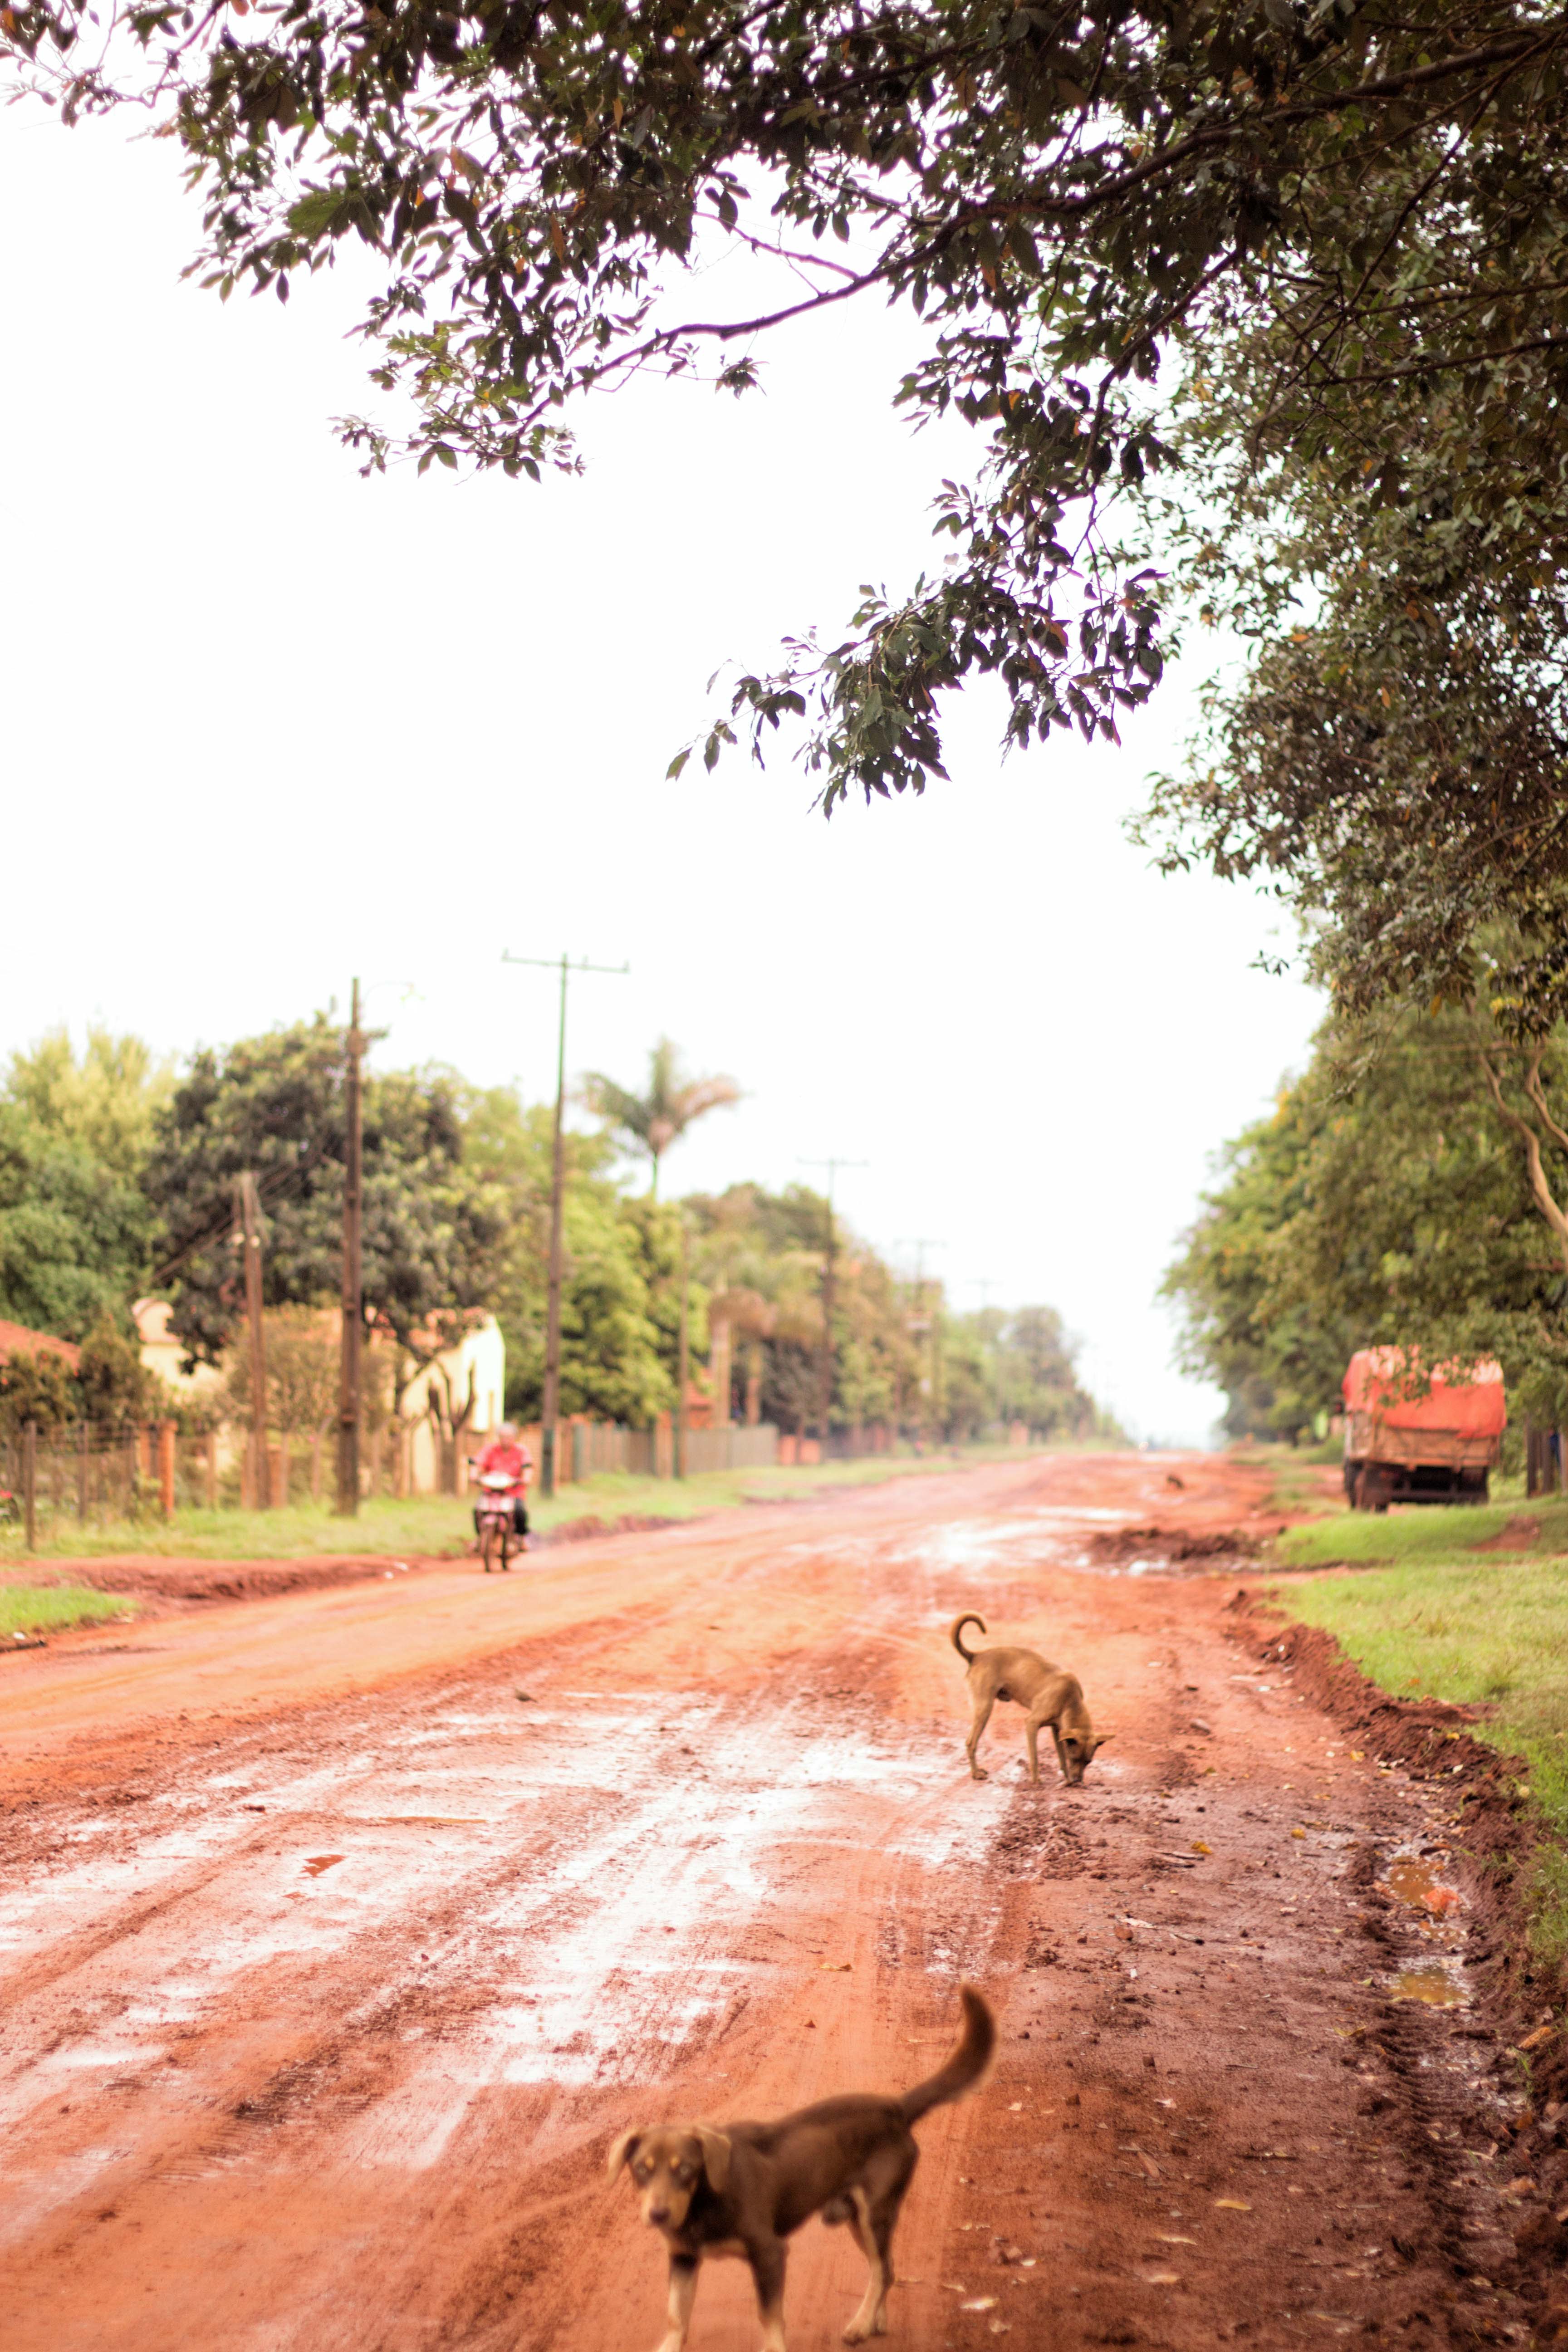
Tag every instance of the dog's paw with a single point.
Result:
(975, 1773)
(855, 2334)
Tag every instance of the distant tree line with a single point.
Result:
(1393, 1195)
(117, 1180)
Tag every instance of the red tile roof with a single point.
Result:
(15, 1340)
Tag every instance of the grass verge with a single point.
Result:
(1422, 1533)
(1439, 1621)
(1299, 1483)
(47, 1608)
(429, 1526)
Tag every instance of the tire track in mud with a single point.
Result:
(351, 2083)
(760, 1758)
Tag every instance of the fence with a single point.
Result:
(588, 1448)
(92, 1473)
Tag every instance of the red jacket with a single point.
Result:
(514, 1462)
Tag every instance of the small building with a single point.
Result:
(162, 1352)
(409, 1456)
(475, 1368)
(16, 1339)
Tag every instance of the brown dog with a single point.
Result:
(744, 2189)
(1046, 1693)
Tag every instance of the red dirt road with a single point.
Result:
(333, 1962)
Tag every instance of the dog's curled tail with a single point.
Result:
(956, 1632)
(966, 2065)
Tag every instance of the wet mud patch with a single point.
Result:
(1035, 1840)
(694, 1875)
(1432, 1742)
(1470, 2021)
(1154, 1548)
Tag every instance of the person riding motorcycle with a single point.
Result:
(507, 1456)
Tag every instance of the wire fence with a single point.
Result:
(100, 1474)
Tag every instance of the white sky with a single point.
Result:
(269, 725)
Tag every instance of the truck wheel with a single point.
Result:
(1371, 1490)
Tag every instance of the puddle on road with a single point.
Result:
(316, 1863)
(1416, 1881)
(1438, 1987)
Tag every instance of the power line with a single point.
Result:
(919, 1244)
(833, 1166)
(550, 1414)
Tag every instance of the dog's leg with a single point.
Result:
(1061, 1755)
(1032, 1735)
(981, 1717)
(871, 2319)
(878, 2203)
(682, 2295)
(767, 2261)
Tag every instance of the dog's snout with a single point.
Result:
(659, 2214)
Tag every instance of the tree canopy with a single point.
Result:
(997, 1368)
(435, 1231)
(655, 1120)
(1391, 754)
(1388, 1199)
(617, 1326)
(1347, 218)
(76, 1229)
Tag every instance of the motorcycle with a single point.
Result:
(500, 1542)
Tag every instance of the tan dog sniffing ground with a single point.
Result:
(744, 2189)
(1044, 1691)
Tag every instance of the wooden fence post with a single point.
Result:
(81, 1473)
(30, 1481)
(166, 1467)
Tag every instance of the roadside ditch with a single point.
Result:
(1472, 2021)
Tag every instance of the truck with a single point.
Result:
(1436, 1448)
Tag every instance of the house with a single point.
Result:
(410, 1459)
(476, 1367)
(162, 1352)
(15, 1340)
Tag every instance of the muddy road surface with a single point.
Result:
(342, 1933)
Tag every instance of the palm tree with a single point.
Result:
(651, 1122)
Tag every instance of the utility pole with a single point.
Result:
(919, 1244)
(682, 1358)
(985, 1284)
(829, 1254)
(353, 1303)
(550, 1415)
(249, 1202)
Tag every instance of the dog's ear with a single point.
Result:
(622, 2153)
(715, 2157)
(1101, 1736)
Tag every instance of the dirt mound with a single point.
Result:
(584, 1531)
(153, 1579)
(1521, 1534)
(185, 1582)
(1110, 1547)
